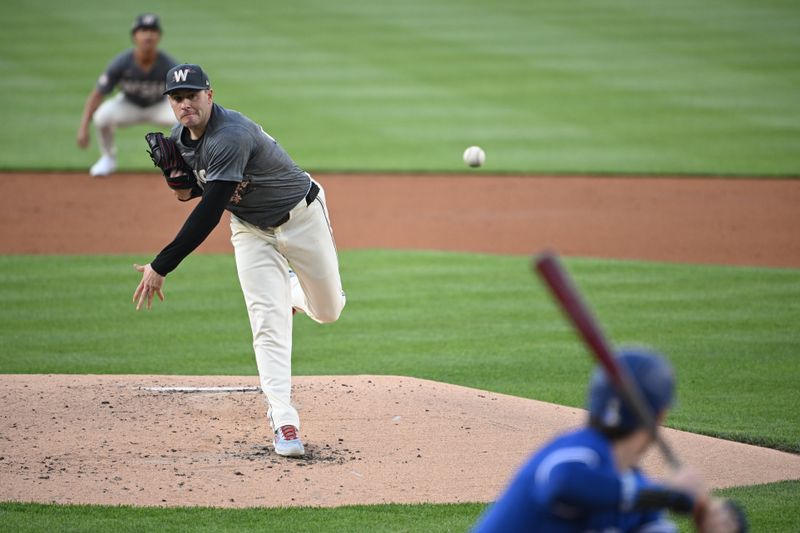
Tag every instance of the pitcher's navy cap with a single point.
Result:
(186, 77)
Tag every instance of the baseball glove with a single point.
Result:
(721, 515)
(737, 515)
(165, 155)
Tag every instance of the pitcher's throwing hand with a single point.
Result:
(150, 285)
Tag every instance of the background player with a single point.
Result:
(278, 219)
(139, 73)
(588, 479)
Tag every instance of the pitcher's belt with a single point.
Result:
(310, 197)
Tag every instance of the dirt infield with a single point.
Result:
(693, 220)
(371, 439)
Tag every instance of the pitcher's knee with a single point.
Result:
(328, 315)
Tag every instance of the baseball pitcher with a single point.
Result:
(281, 233)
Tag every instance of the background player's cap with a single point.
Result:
(186, 77)
(146, 21)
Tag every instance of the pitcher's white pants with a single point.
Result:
(118, 111)
(263, 258)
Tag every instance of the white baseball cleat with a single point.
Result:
(104, 166)
(287, 443)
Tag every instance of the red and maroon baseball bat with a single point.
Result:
(569, 299)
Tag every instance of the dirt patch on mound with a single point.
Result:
(370, 440)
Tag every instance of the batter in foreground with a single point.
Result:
(281, 233)
(588, 480)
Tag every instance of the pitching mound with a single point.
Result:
(370, 439)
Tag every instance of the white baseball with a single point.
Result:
(474, 156)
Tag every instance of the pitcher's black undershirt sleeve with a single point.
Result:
(202, 220)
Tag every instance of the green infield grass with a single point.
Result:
(769, 508)
(378, 518)
(354, 85)
(774, 507)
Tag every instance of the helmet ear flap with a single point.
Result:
(650, 372)
(612, 415)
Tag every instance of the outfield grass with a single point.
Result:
(545, 86)
(476, 320)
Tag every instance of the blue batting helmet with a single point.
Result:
(651, 373)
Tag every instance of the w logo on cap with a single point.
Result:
(186, 76)
(180, 75)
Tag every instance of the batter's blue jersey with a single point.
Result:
(572, 485)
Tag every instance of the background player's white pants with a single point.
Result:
(263, 258)
(118, 111)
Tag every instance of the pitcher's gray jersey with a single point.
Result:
(234, 148)
(141, 88)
